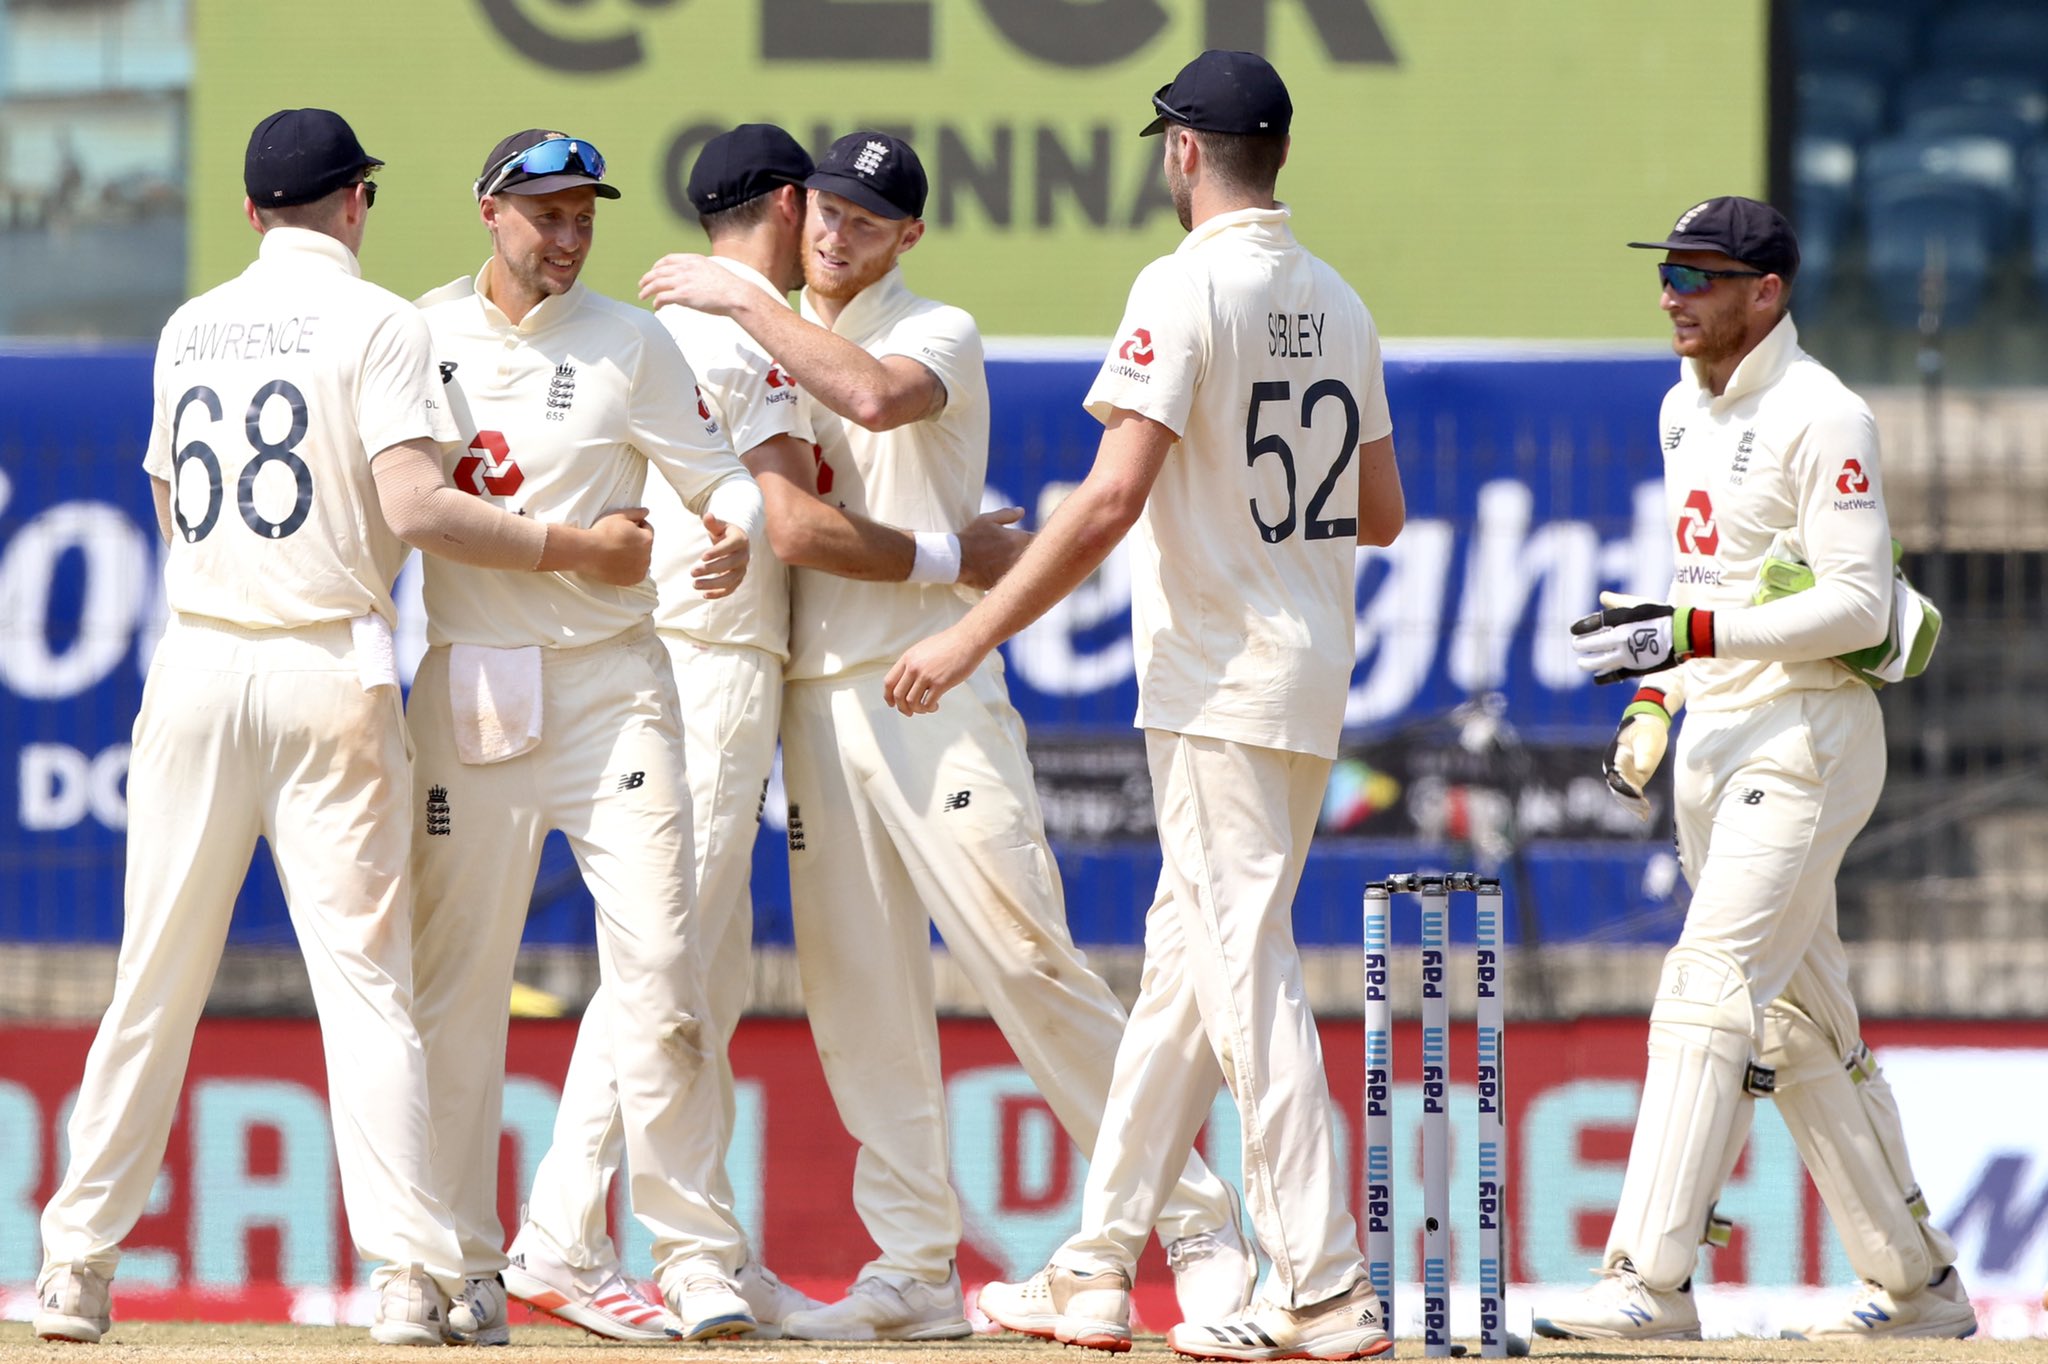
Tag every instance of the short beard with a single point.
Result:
(844, 287)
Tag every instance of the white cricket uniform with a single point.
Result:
(272, 709)
(727, 655)
(1250, 350)
(1778, 765)
(898, 823)
(561, 415)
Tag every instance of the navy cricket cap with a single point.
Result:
(745, 164)
(298, 155)
(879, 172)
(1754, 233)
(1225, 92)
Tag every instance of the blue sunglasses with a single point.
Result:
(1688, 280)
(546, 158)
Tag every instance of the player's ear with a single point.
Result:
(249, 212)
(487, 209)
(912, 233)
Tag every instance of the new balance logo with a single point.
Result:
(1673, 436)
(1870, 1314)
(1749, 795)
(959, 800)
(438, 822)
(632, 781)
(447, 371)
(1639, 1315)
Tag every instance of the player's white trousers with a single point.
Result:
(608, 773)
(1222, 997)
(1768, 801)
(897, 823)
(245, 733)
(731, 705)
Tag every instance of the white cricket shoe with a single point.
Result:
(770, 1299)
(1346, 1325)
(477, 1316)
(1214, 1272)
(72, 1304)
(1941, 1310)
(411, 1310)
(887, 1307)
(707, 1306)
(598, 1300)
(1622, 1307)
(1057, 1303)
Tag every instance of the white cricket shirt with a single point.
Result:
(754, 400)
(1267, 366)
(273, 393)
(1785, 454)
(560, 415)
(920, 476)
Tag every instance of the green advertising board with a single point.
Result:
(1472, 166)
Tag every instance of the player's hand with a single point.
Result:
(1630, 637)
(723, 566)
(929, 669)
(989, 545)
(1638, 747)
(620, 546)
(694, 282)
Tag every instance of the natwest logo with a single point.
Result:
(488, 467)
(1697, 533)
(1852, 479)
(1137, 347)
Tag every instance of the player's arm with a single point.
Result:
(160, 492)
(1382, 508)
(667, 425)
(879, 394)
(1080, 535)
(423, 510)
(808, 532)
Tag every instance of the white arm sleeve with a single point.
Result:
(1847, 542)
(737, 502)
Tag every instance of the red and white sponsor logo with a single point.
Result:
(488, 469)
(1697, 533)
(1137, 347)
(778, 379)
(824, 469)
(1852, 479)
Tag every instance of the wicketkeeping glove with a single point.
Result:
(1638, 747)
(1630, 637)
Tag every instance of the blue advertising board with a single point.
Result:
(1531, 480)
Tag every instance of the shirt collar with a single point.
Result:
(540, 316)
(1272, 221)
(1757, 370)
(867, 307)
(750, 275)
(283, 243)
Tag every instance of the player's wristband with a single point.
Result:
(1692, 633)
(938, 558)
(1649, 701)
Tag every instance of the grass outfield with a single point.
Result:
(543, 1344)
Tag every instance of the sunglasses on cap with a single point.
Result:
(552, 157)
(1687, 280)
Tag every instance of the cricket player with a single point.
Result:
(293, 457)
(1766, 455)
(895, 825)
(728, 654)
(550, 704)
(1246, 437)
